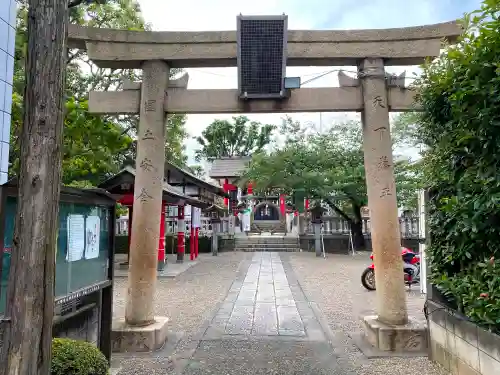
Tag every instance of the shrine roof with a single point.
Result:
(170, 193)
(227, 167)
(216, 207)
(191, 178)
(69, 193)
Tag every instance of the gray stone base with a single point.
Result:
(138, 339)
(389, 340)
(170, 271)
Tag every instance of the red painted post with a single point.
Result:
(161, 242)
(226, 200)
(181, 226)
(191, 244)
(282, 204)
(196, 231)
(130, 213)
(191, 236)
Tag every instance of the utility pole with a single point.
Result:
(27, 337)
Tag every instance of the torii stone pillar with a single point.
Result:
(147, 195)
(381, 186)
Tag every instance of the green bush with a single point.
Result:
(72, 357)
(460, 124)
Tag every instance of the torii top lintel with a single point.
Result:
(110, 48)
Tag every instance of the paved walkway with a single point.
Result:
(264, 326)
(261, 304)
(263, 322)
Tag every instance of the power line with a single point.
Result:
(314, 76)
(357, 75)
(230, 76)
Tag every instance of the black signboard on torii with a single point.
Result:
(262, 53)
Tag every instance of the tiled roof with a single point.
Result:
(229, 167)
(213, 187)
(167, 188)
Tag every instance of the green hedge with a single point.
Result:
(460, 124)
(204, 244)
(72, 357)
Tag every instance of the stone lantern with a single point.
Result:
(215, 213)
(317, 219)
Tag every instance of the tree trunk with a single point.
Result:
(358, 239)
(356, 226)
(30, 295)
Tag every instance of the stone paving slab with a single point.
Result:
(263, 304)
(265, 325)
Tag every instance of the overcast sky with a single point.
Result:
(200, 15)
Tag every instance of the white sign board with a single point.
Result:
(421, 247)
(196, 219)
(92, 233)
(246, 220)
(75, 225)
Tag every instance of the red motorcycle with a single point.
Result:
(411, 269)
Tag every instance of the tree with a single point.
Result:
(241, 137)
(458, 94)
(94, 147)
(175, 135)
(27, 341)
(405, 130)
(328, 166)
(197, 170)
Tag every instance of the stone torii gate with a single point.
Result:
(373, 93)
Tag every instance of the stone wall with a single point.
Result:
(83, 326)
(460, 346)
(204, 244)
(334, 244)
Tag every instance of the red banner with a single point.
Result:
(282, 204)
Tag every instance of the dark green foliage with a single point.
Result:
(204, 244)
(241, 137)
(460, 95)
(72, 357)
(95, 147)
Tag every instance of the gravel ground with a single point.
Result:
(190, 298)
(334, 284)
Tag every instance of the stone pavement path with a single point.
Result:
(265, 325)
(261, 304)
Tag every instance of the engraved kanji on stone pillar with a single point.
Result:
(381, 187)
(147, 195)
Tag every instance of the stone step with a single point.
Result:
(260, 226)
(268, 249)
(267, 245)
(251, 238)
(257, 237)
(243, 244)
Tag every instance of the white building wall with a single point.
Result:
(7, 45)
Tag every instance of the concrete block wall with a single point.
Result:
(460, 346)
(84, 327)
(7, 45)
